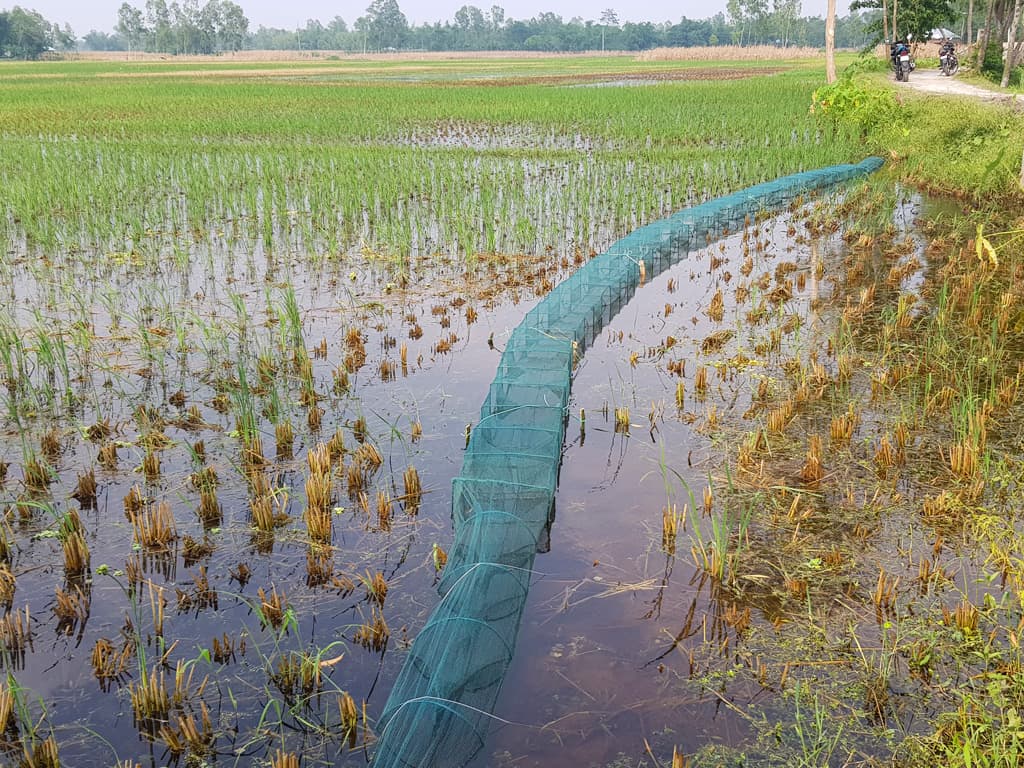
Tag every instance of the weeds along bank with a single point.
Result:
(247, 324)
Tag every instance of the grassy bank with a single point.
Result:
(954, 146)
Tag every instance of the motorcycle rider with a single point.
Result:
(947, 49)
(896, 49)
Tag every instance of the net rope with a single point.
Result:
(439, 709)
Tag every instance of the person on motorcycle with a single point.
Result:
(948, 61)
(898, 49)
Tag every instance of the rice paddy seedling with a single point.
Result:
(8, 585)
(273, 608)
(50, 445)
(376, 588)
(40, 754)
(884, 596)
(190, 736)
(622, 420)
(284, 438)
(384, 510)
(349, 719)
(37, 475)
(76, 555)
(210, 511)
(413, 496)
(71, 609)
(374, 634)
(670, 519)
(341, 382)
(151, 465)
(134, 501)
(314, 415)
(886, 456)
(111, 664)
(368, 456)
(222, 649)
(154, 527)
(252, 454)
(150, 700)
(16, 634)
(85, 490)
(700, 381)
(716, 308)
(964, 617)
(779, 418)
(319, 566)
(297, 675)
(813, 472)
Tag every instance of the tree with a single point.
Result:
(64, 37)
(158, 20)
(28, 34)
(384, 24)
(95, 40)
(917, 18)
(497, 17)
(609, 18)
(784, 16)
(234, 26)
(1011, 46)
(207, 22)
(131, 26)
(470, 20)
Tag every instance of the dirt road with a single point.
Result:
(933, 81)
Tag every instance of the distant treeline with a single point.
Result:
(221, 25)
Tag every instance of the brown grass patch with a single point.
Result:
(729, 53)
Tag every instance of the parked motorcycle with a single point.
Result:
(899, 53)
(948, 61)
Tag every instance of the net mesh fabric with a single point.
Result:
(438, 712)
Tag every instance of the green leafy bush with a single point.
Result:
(855, 100)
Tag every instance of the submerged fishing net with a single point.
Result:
(438, 712)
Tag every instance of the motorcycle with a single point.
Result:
(948, 61)
(899, 53)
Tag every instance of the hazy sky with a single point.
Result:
(102, 14)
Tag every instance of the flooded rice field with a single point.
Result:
(228, 493)
(240, 362)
